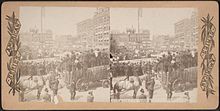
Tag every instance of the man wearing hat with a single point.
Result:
(110, 76)
(142, 96)
(90, 97)
(47, 97)
(150, 87)
(72, 89)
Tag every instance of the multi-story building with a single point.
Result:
(37, 42)
(44, 40)
(162, 42)
(186, 31)
(85, 31)
(195, 32)
(102, 29)
(64, 42)
(26, 38)
(132, 40)
(94, 33)
(120, 38)
(142, 38)
(183, 33)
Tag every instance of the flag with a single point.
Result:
(140, 12)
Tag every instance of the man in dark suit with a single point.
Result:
(72, 90)
(150, 87)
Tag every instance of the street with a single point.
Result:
(159, 95)
(100, 95)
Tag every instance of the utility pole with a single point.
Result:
(42, 18)
(138, 20)
(42, 38)
(139, 15)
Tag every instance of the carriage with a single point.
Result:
(182, 79)
(91, 78)
(186, 80)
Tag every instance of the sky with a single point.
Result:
(63, 20)
(157, 20)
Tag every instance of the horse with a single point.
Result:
(126, 85)
(37, 83)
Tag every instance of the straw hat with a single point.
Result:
(142, 90)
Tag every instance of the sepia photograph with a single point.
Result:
(64, 54)
(92, 55)
(154, 55)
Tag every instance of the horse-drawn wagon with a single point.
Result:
(186, 80)
(92, 78)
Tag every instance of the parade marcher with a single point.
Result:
(69, 67)
(130, 70)
(90, 97)
(117, 69)
(56, 86)
(150, 88)
(32, 71)
(169, 57)
(73, 71)
(72, 90)
(139, 69)
(142, 96)
(169, 91)
(21, 94)
(47, 96)
(187, 96)
(39, 92)
(110, 77)
(138, 72)
(126, 70)
(148, 68)
(53, 84)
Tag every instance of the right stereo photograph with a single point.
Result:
(153, 55)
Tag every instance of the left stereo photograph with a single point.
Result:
(63, 54)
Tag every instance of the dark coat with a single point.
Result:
(130, 71)
(140, 71)
(72, 87)
(150, 84)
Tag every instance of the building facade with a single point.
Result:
(186, 31)
(132, 40)
(64, 42)
(85, 31)
(94, 33)
(38, 42)
(102, 29)
(162, 42)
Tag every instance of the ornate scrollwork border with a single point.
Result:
(12, 50)
(208, 58)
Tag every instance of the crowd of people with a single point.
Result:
(131, 69)
(68, 63)
(167, 63)
(37, 67)
(74, 63)
(86, 59)
(184, 59)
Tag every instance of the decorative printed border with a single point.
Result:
(12, 51)
(208, 58)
